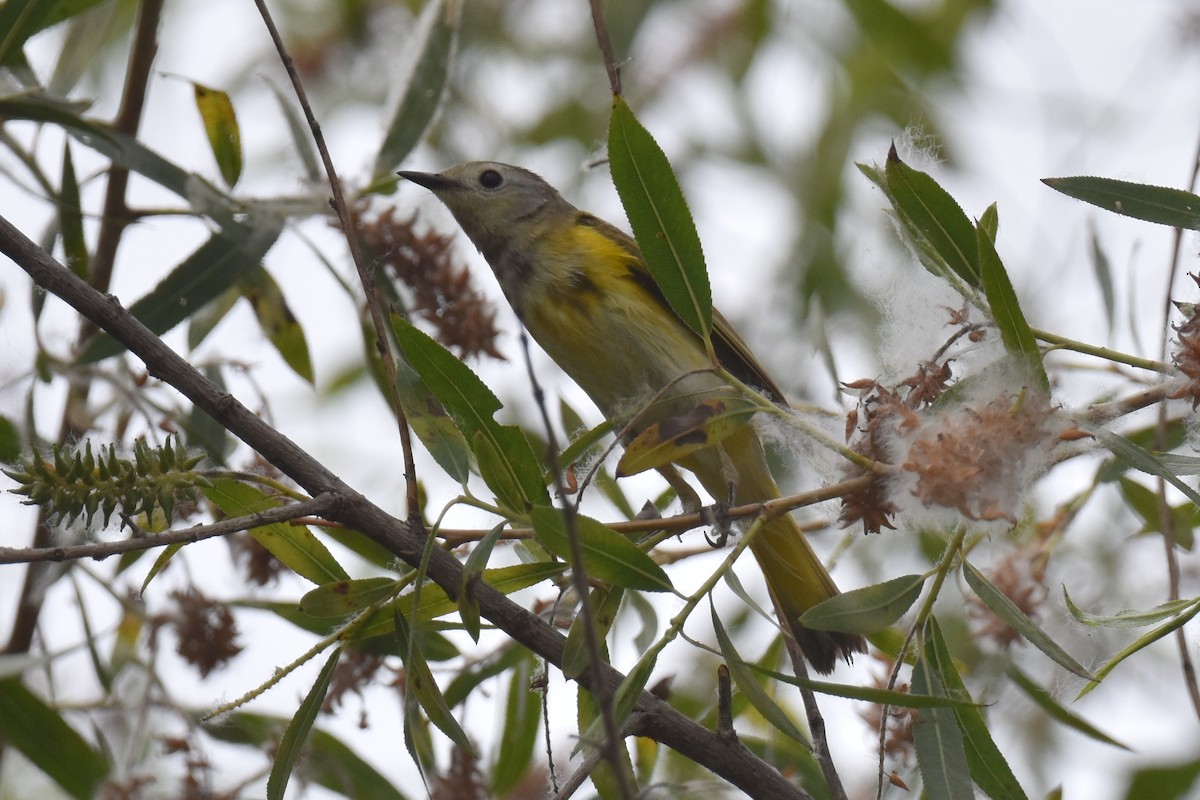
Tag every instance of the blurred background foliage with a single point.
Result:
(762, 107)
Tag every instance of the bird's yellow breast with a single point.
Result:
(587, 302)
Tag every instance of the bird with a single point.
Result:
(582, 290)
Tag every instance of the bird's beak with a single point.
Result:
(430, 180)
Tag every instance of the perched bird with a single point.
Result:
(583, 291)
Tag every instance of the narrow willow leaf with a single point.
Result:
(867, 610)
(941, 754)
(1127, 619)
(1173, 782)
(1140, 459)
(1007, 610)
(937, 216)
(342, 598)
(434, 603)
(277, 321)
(989, 222)
(297, 730)
(227, 257)
(40, 734)
(1006, 310)
(1047, 703)
(70, 218)
(522, 715)
(492, 449)
(607, 555)
(473, 569)
(471, 404)
(624, 700)
(10, 440)
(989, 769)
(1160, 204)
(430, 50)
(301, 134)
(205, 321)
(160, 563)
(221, 129)
(294, 545)
(749, 686)
(669, 440)
(867, 694)
(18, 21)
(424, 688)
(1143, 641)
(432, 425)
(605, 602)
(463, 684)
(1179, 465)
(660, 218)
(330, 763)
(1102, 269)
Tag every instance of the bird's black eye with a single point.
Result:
(490, 179)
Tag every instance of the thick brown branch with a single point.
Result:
(652, 718)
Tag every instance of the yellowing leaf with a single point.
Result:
(221, 127)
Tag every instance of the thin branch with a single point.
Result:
(681, 523)
(1166, 518)
(101, 550)
(653, 717)
(606, 49)
(346, 219)
(611, 748)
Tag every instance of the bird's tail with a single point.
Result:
(795, 576)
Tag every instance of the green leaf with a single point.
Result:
(10, 440)
(430, 49)
(1007, 610)
(935, 216)
(342, 598)
(463, 685)
(1006, 311)
(205, 321)
(660, 218)
(429, 421)
(867, 610)
(749, 686)
(1140, 459)
(35, 729)
(1160, 204)
(473, 569)
(989, 769)
(1047, 703)
(433, 602)
(294, 545)
(1144, 503)
(1172, 782)
(297, 730)
(227, 257)
(607, 555)
(1127, 619)
(1102, 269)
(20, 19)
(941, 752)
(471, 404)
(221, 128)
(70, 218)
(420, 682)
(1143, 641)
(605, 602)
(522, 713)
(330, 763)
(301, 135)
(669, 440)
(277, 320)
